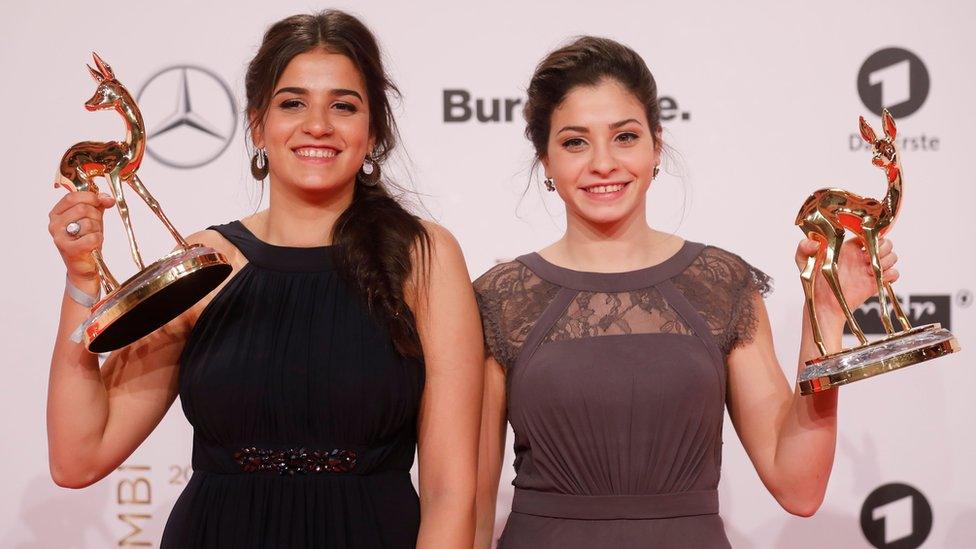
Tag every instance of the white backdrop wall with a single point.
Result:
(765, 101)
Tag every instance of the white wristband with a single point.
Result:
(83, 299)
(78, 296)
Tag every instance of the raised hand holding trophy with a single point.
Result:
(163, 290)
(826, 216)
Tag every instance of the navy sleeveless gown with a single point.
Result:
(304, 416)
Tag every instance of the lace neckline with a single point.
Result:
(626, 281)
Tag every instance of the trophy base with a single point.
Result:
(154, 296)
(892, 353)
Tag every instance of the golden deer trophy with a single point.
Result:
(157, 293)
(826, 216)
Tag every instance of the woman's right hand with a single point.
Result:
(85, 208)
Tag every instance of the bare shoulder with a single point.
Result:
(443, 250)
(437, 265)
(207, 237)
(441, 239)
(213, 239)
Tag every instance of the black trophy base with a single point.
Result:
(154, 296)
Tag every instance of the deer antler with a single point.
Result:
(103, 67)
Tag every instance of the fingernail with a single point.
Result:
(104, 195)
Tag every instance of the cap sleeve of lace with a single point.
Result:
(492, 289)
(747, 283)
(510, 298)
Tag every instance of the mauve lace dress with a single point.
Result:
(616, 387)
(304, 416)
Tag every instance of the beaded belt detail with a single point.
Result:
(290, 461)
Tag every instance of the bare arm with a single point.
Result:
(790, 438)
(491, 451)
(447, 321)
(97, 417)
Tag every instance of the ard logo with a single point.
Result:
(895, 79)
(896, 516)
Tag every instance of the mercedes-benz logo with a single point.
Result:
(191, 116)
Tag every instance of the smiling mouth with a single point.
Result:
(315, 152)
(605, 189)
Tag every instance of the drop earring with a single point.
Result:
(369, 173)
(259, 164)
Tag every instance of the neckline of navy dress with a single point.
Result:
(277, 258)
(627, 281)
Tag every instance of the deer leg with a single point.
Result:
(807, 275)
(137, 185)
(123, 207)
(835, 239)
(871, 244)
(896, 305)
(109, 284)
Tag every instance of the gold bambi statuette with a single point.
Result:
(826, 216)
(157, 293)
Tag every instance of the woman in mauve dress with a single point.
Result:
(615, 351)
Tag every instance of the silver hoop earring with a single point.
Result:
(550, 184)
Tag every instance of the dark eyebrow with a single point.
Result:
(296, 91)
(616, 125)
(579, 129)
(338, 92)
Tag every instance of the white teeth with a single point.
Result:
(605, 189)
(312, 152)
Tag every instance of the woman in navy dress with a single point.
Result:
(345, 339)
(616, 350)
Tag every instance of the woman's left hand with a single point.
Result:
(854, 272)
